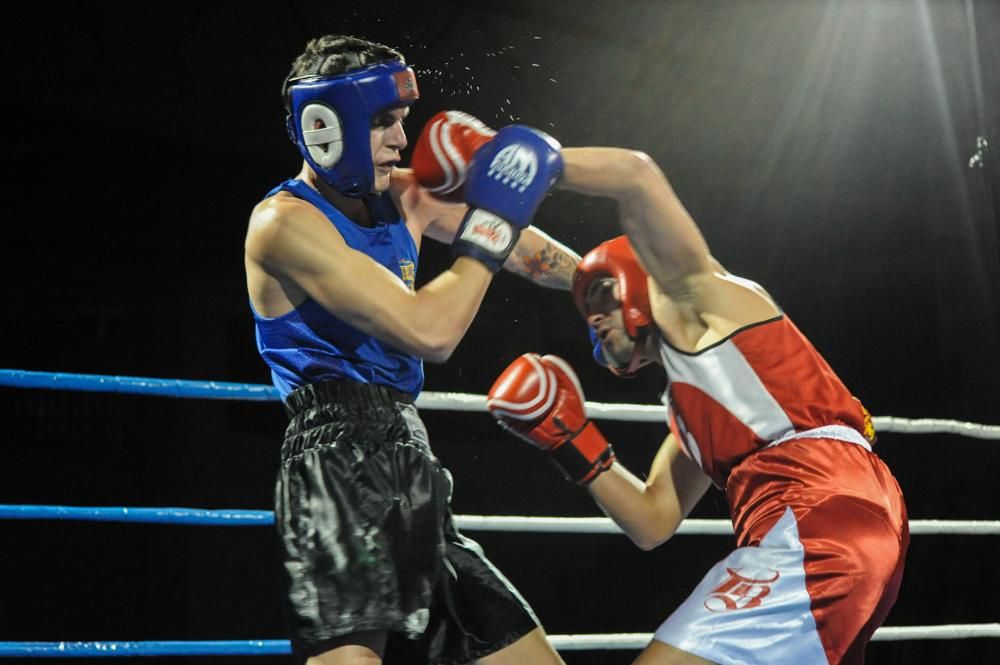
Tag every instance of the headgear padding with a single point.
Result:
(615, 258)
(339, 150)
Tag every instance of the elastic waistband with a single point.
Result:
(837, 432)
(348, 393)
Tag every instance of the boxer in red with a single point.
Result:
(753, 409)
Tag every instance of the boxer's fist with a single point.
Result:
(443, 151)
(507, 179)
(539, 399)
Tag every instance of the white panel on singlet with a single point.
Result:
(723, 373)
(687, 441)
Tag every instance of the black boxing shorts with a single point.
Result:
(363, 514)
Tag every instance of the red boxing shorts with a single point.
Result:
(822, 533)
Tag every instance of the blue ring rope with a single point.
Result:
(587, 642)
(138, 385)
(127, 649)
(143, 515)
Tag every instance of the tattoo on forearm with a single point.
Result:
(551, 266)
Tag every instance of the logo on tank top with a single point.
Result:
(408, 272)
(740, 591)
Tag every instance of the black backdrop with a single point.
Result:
(823, 146)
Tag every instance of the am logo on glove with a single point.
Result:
(507, 179)
(443, 151)
(515, 166)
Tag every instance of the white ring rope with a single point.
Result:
(689, 526)
(597, 641)
(935, 426)
(649, 413)
(508, 523)
(182, 388)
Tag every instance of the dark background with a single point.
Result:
(823, 147)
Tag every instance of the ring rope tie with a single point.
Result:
(184, 388)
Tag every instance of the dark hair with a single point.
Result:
(331, 55)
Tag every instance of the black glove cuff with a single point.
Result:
(575, 466)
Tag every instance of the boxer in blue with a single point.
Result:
(373, 566)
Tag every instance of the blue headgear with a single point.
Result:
(340, 152)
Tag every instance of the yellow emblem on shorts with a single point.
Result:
(869, 432)
(408, 271)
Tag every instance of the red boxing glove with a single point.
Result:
(539, 399)
(444, 148)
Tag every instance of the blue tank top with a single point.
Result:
(310, 345)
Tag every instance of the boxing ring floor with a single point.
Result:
(979, 533)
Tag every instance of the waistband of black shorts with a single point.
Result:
(348, 393)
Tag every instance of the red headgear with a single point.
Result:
(615, 258)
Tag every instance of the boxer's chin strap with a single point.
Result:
(635, 363)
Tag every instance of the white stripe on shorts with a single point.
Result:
(751, 607)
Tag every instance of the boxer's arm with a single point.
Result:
(441, 158)
(543, 259)
(649, 513)
(664, 235)
(669, 244)
(537, 256)
(291, 240)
